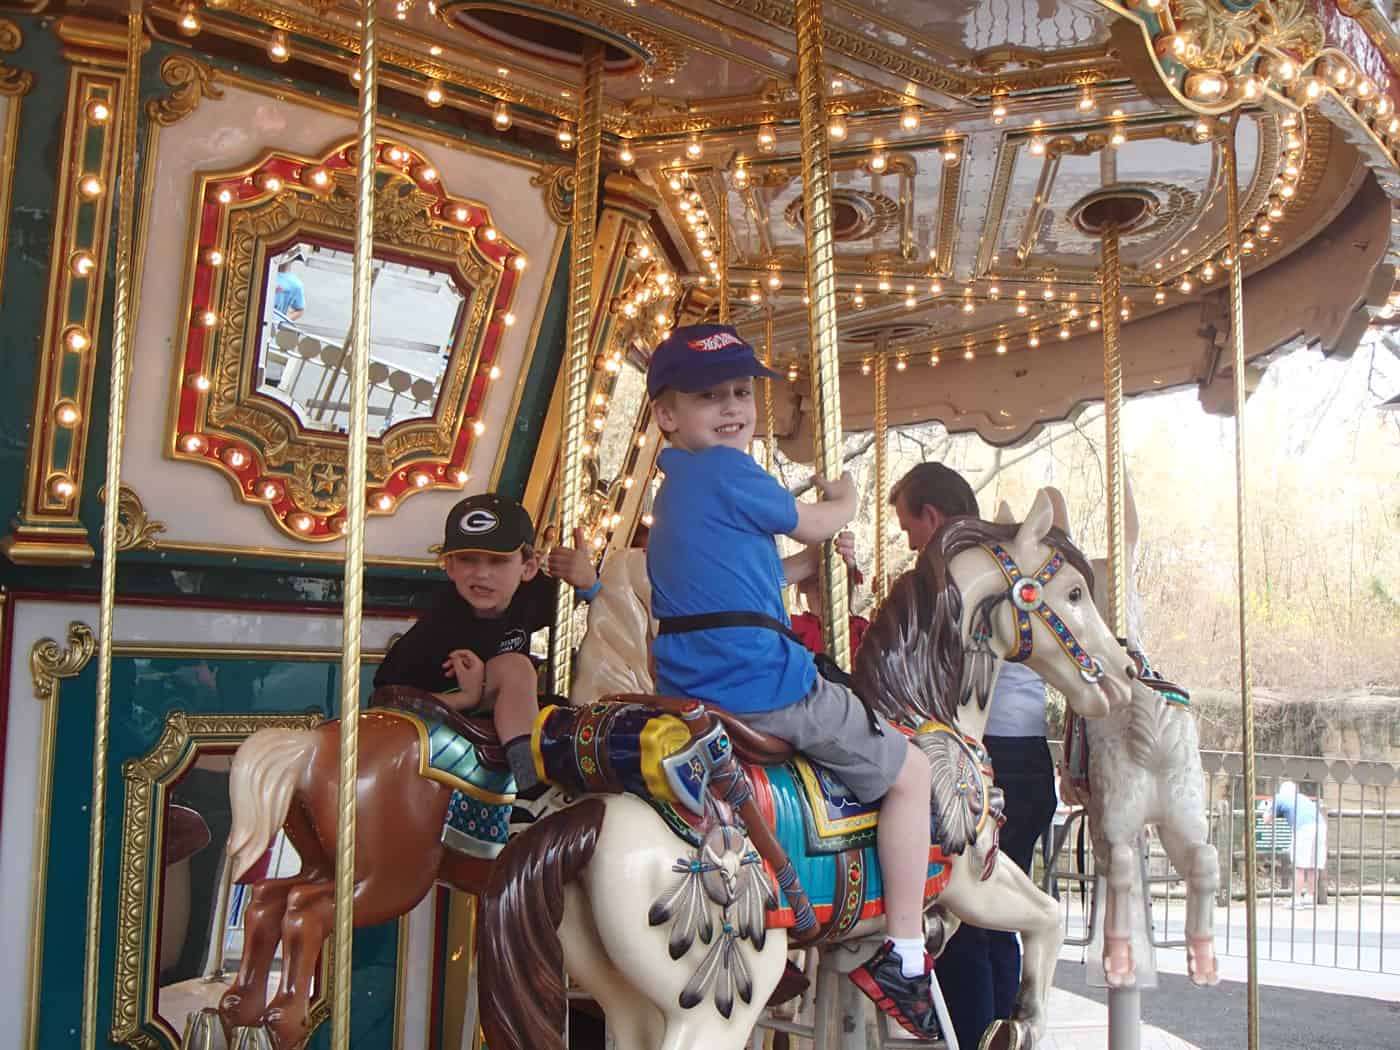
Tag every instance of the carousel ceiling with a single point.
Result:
(964, 138)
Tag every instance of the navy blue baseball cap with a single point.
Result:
(700, 356)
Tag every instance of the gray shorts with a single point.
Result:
(830, 726)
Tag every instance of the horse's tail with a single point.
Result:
(522, 961)
(266, 768)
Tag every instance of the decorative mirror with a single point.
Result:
(179, 922)
(264, 375)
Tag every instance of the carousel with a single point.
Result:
(226, 500)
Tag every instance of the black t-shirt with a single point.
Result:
(451, 623)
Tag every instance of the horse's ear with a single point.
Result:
(1059, 507)
(1038, 521)
(1004, 514)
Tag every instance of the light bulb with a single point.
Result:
(836, 127)
(909, 118)
(433, 94)
(189, 20)
(279, 51)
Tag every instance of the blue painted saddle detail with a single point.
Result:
(476, 828)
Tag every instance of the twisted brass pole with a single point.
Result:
(590, 120)
(877, 583)
(356, 470)
(1113, 434)
(821, 315)
(768, 423)
(1251, 889)
(723, 219)
(116, 432)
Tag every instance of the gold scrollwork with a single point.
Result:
(1216, 39)
(49, 661)
(135, 528)
(192, 82)
(558, 186)
(12, 81)
(137, 889)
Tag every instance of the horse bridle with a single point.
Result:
(1027, 597)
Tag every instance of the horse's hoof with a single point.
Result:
(1200, 964)
(1119, 978)
(285, 1029)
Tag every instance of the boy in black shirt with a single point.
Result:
(478, 634)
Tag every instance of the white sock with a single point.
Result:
(911, 955)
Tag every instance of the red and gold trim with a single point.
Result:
(47, 529)
(196, 437)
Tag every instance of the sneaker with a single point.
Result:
(909, 1000)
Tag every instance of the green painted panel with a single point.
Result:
(144, 692)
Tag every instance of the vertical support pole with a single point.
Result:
(821, 315)
(362, 288)
(585, 214)
(723, 237)
(768, 421)
(1109, 294)
(882, 408)
(116, 432)
(1251, 889)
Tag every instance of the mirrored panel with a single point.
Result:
(264, 376)
(415, 311)
(175, 828)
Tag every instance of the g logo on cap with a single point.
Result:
(479, 520)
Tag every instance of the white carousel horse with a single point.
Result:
(1144, 768)
(581, 885)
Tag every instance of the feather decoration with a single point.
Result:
(686, 907)
(956, 805)
(698, 987)
(754, 896)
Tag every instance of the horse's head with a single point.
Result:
(1029, 596)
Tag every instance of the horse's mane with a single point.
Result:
(910, 666)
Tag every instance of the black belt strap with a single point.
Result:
(709, 621)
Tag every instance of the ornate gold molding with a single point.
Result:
(49, 661)
(558, 186)
(134, 1016)
(135, 529)
(12, 81)
(192, 82)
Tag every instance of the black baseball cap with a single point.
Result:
(487, 522)
(697, 357)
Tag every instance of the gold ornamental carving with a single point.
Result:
(12, 81)
(277, 458)
(49, 661)
(1220, 40)
(136, 530)
(138, 887)
(558, 186)
(192, 82)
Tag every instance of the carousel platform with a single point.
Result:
(1080, 1023)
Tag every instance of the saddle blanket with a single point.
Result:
(609, 748)
(478, 812)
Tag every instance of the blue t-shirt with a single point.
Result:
(290, 293)
(711, 549)
(1293, 806)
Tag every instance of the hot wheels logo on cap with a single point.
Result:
(718, 341)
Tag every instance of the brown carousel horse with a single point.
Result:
(288, 779)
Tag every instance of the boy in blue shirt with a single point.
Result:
(711, 550)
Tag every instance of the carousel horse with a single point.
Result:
(675, 929)
(432, 802)
(1143, 767)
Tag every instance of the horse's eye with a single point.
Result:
(1075, 594)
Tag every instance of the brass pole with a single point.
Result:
(768, 423)
(1113, 434)
(877, 582)
(116, 432)
(821, 316)
(362, 288)
(1251, 889)
(723, 237)
(590, 120)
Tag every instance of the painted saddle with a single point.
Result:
(642, 745)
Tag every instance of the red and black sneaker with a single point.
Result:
(909, 1000)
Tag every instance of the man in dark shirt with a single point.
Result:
(472, 648)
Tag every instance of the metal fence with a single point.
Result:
(1354, 922)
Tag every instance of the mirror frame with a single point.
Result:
(218, 417)
(148, 780)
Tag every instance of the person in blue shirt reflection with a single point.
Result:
(289, 295)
